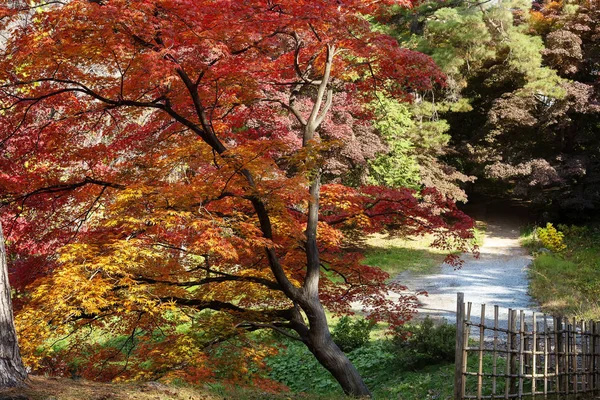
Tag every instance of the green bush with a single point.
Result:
(351, 334)
(418, 345)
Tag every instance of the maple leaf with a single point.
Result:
(177, 152)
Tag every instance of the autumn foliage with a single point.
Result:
(163, 164)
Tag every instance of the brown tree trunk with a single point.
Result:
(12, 371)
(318, 338)
(320, 343)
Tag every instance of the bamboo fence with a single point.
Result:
(538, 357)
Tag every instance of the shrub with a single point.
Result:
(573, 230)
(551, 238)
(423, 344)
(351, 334)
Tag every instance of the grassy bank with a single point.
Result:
(567, 282)
(414, 254)
(396, 255)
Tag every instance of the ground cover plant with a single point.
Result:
(414, 363)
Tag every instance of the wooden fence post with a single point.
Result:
(495, 356)
(522, 357)
(558, 348)
(481, 344)
(514, 347)
(508, 369)
(594, 360)
(459, 378)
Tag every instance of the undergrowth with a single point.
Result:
(405, 366)
(565, 278)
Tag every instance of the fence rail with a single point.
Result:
(538, 357)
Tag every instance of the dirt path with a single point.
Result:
(497, 277)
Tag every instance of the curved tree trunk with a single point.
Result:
(12, 371)
(319, 341)
(318, 337)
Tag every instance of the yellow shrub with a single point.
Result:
(551, 238)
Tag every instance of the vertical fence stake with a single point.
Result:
(594, 358)
(467, 336)
(495, 355)
(575, 359)
(521, 351)
(558, 364)
(584, 357)
(508, 356)
(568, 356)
(480, 370)
(534, 349)
(459, 378)
(513, 350)
(546, 353)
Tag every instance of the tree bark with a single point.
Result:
(319, 341)
(318, 338)
(12, 371)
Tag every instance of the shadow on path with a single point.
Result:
(497, 277)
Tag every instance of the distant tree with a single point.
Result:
(417, 139)
(529, 82)
(543, 142)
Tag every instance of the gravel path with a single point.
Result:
(497, 277)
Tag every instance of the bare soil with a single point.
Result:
(44, 388)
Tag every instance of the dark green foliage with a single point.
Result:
(350, 334)
(529, 99)
(298, 369)
(426, 343)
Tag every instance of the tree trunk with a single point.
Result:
(330, 356)
(12, 371)
(337, 363)
(318, 338)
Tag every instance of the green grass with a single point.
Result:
(567, 284)
(414, 254)
(528, 239)
(396, 255)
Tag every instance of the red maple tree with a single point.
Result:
(164, 158)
